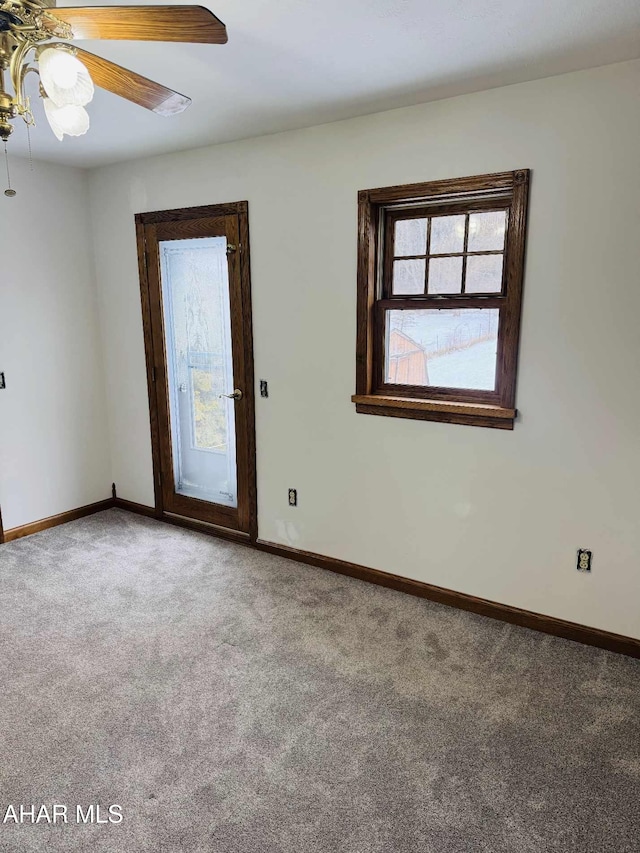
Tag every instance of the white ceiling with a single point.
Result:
(295, 63)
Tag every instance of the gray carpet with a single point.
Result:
(235, 702)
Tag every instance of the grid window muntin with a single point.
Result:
(463, 209)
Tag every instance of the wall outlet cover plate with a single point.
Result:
(584, 560)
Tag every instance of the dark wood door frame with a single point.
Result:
(155, 360)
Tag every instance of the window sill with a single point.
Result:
(472, 414)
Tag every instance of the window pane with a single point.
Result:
(410, 237)
(484, 274)
(447, 348)
(445, 275)
(447, 235)
(486, 231)
(408, 277)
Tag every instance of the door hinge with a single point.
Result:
(153, 374)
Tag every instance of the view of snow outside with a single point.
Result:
(460, 345)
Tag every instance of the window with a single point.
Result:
(439, 292)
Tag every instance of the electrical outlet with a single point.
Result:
(584, 560)
(264, 388)
(3, 384)
(293, 497)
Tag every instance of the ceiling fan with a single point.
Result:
(28, 33)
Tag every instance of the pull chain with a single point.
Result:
(29, 143)
(8, 192)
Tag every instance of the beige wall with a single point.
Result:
(54, 448)
(491, 513)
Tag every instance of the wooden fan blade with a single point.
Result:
(143, 23)
(134, 87)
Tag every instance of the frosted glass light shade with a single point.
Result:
(72, 120)
(64, 78)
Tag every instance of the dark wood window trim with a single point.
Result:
(378, 209)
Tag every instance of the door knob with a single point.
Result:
(236, 395)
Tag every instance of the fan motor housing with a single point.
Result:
(7, 20)
(17, 12)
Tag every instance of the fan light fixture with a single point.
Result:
(68, 88)
(64, 78)
(71, 119)
(68, 74)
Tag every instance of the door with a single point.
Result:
(195, 285)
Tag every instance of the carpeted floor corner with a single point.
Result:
(234, 702)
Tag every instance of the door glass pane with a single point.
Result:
(195, 293)
(446, 348)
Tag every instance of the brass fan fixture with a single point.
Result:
(28, 33)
